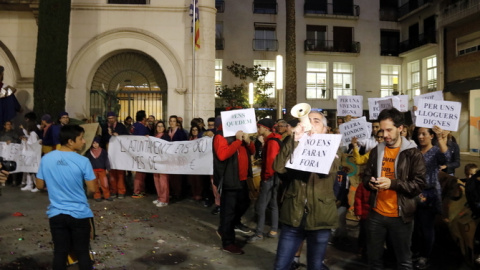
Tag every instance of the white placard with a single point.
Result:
(27, 156)
(315, 153)
(376, 105)
(445, 114)
(400, 102)
(153, 155)
(358, 129)
(350, 105)
(437, 95)
(235, 120)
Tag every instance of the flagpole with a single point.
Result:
(194, 33)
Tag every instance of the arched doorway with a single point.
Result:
(141, 83)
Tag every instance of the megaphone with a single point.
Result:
(301, 111)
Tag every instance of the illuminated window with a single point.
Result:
(218, 75)
(389, 79)
(270, 77)
(431, 64)
(317, 74)
(414, 78)
(342, 79)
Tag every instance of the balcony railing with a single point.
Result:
(459, 10)
(219, 44)
(129, 2)
(313, 7)
(220, 6)
(389, 14)
(411, 6)
(411, 44)
(265, 45)
(331, 46)
(265, 7)
(389, 49)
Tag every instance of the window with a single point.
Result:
(219, 40)
(389, 42)
(468, 44)
(414, 78)
(389, 79)
(317, 74)
(265, 6)
(129, 2)
(270, 78)
(316, 37)
(342, 79)
(265, 37)
(431, 64)
(218, 75)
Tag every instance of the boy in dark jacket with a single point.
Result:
(101, 165)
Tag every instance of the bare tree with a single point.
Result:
(290, 58)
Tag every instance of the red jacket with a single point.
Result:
(361, 206)
(224, 151)
(271, 148)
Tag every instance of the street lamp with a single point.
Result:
(250, 94)
(279, 84)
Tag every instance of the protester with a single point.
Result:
(30, 138)
(8, 134)
(63, 119)
(128, 123)
(194, 180)
(175, 133)
(454, 161)
(47, 136)
(139, 128)
(98, 157)
(64, 172)
(161, 179)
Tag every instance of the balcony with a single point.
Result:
(265, 45)
(220, 6)
(389, 49)
(458, 10)
(411, 6)
(315, 45)
(129, 2)
(324, 9)
(264, 7)
(389, 14)
(219, 44)
(423, 39)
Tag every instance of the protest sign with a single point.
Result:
(356, 128)
(445, 114)
(153, 155)
(350, 105)
(233, 121)
(400, 102)
(437, 95)
(315, 153)
(27, 156)
(376, 105)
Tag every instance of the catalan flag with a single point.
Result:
(195, 23)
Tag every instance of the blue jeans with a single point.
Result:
(70, 234)
(267, 197)
(291, 238)
(400, 237)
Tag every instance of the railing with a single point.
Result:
(317, 93)
(411, 6)
(220, 6)
(313, 7)
(265, 45)
(265, 7)
(331, 46)
(389, 49)
(423, 39)
(219, 44)
(129, 2)
(458, 10)
(389, 14)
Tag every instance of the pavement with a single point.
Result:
(134, 234)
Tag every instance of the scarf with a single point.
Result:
(95, 152)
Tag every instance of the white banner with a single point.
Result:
(315, 153)
(445, 114)
(27, 156)
(153, 155)
(376, 105)
(437, 95)
(356, 128)
(400, 102)
(233, 121)
(350, 105)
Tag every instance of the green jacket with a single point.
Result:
(309, 194)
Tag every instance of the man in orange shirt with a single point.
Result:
(395, 173)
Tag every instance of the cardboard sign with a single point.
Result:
(235, 120)
(376, 105)
(400, 102)
(350, 105)
(153, 155)
(356, 128)
(437, 95)
(315, 153)
(445, 114)
(27, 156)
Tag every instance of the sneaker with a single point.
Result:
(242, 228)
(272, 234)
(121, 196)
(155, 201)
(35, 190)
(98, 200)
(216, 210)
(254, 238)
(207, 203)
(110, 199)
(162, 204)
(138, 196)
(26, 188)
(422, 263)
(234, 249)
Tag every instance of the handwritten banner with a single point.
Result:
(233, 121)
(445, 114)
(315, 153)
(350, 105)
(27, 156)
(376, 105)
(356, 128)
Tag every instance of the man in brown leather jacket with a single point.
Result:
(395, 173)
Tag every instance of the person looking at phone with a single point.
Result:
(395, 175)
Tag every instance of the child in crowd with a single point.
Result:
(30, 137)
(470, 170)
(101, 165)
